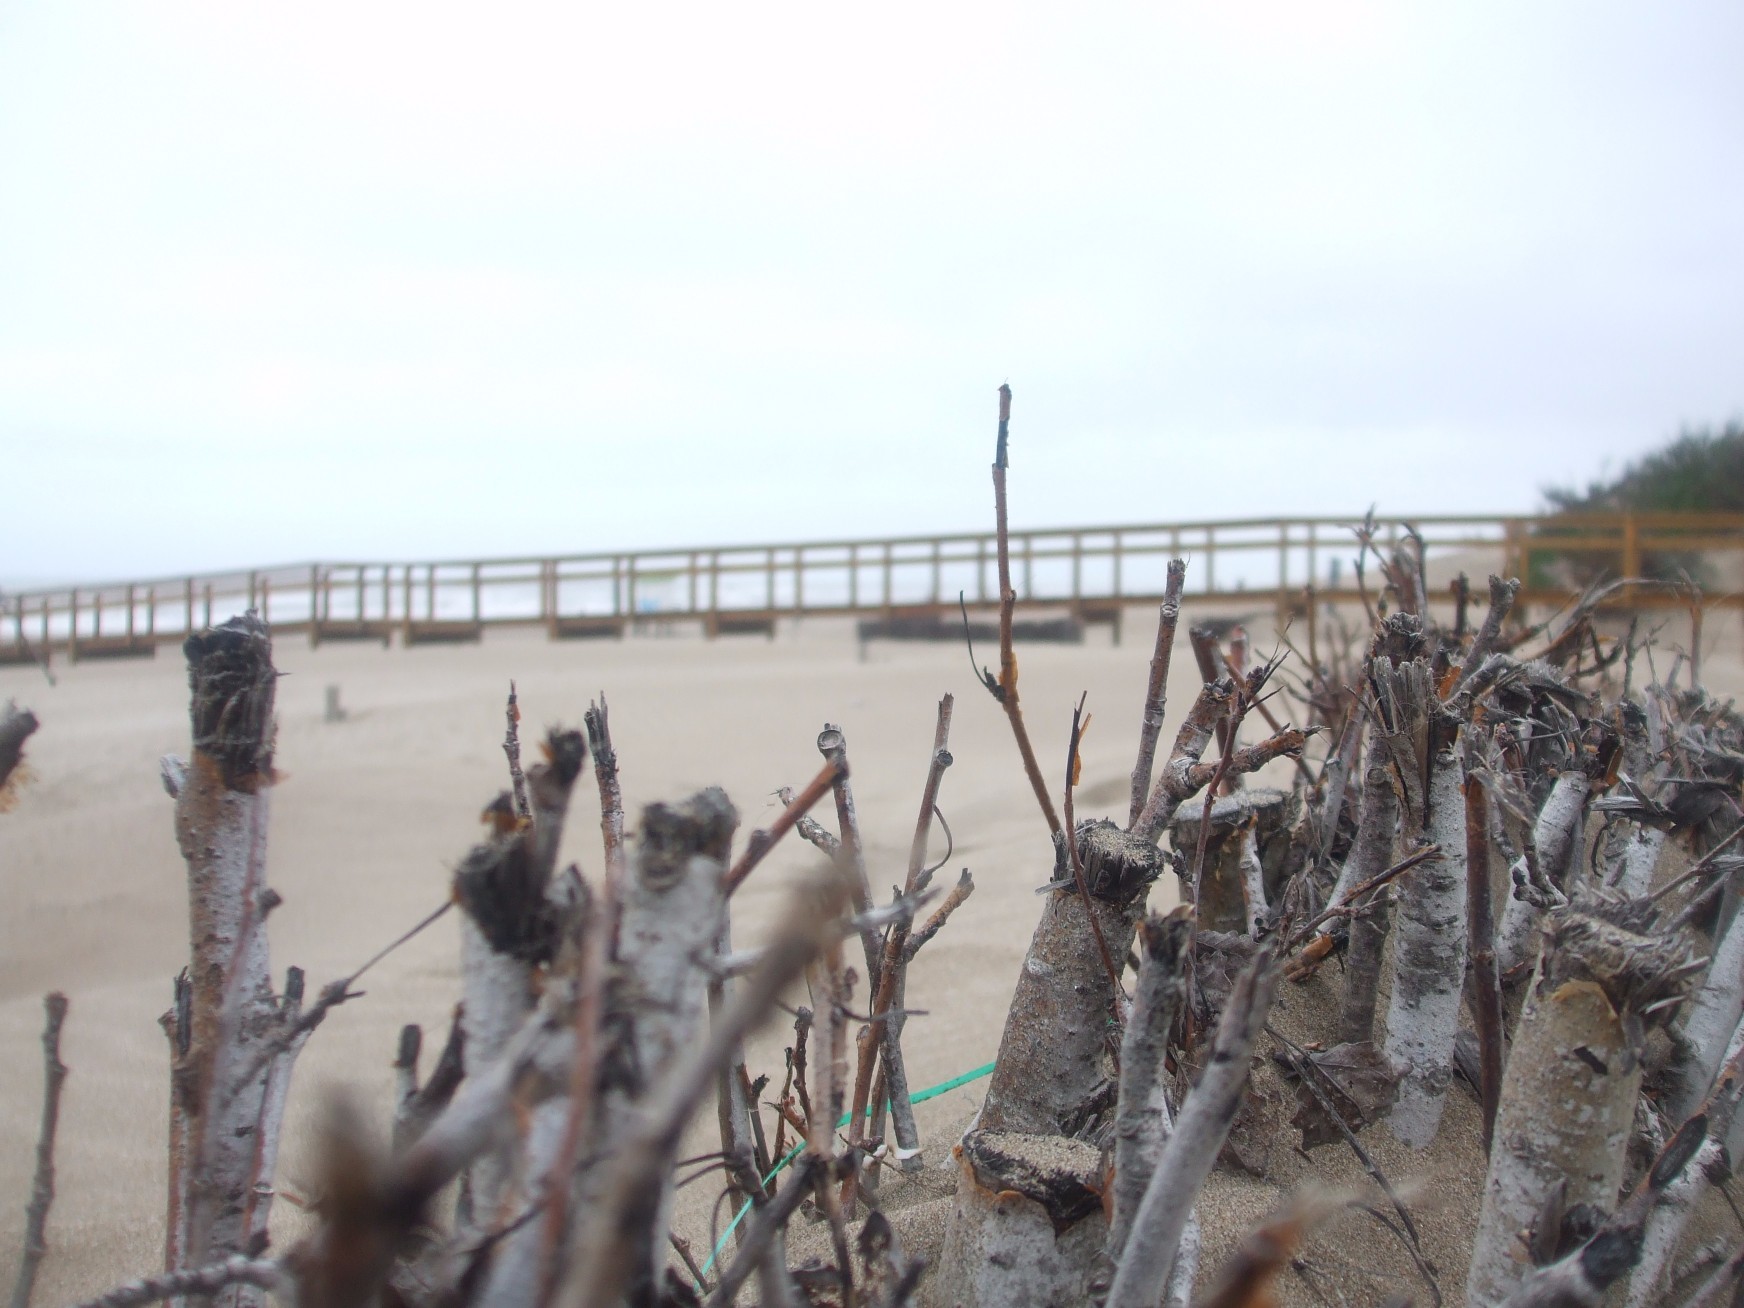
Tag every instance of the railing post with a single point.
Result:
(888, 603)
(1119, 547)
(981, 569)
(188, 607)
(1283, 559)
(45, 632)
(1313, 554)
(314, 605)
(798, 579)
(1028, 569)
(266, 600)
(1631, 548)
(713, 627)
(73, 626)
(208, 598)
(853, 576)
(1211, 560)
(151, 613)
(690, 579)
(769, 581)
(1077, 571)
(251, 599)
(938, 570)
(477, 607)
(406, 602)
(430, 592)
(130, 605)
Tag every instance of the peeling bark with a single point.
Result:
(225, 1119)
(1052, 1055)
(672, 917)
(1568, 1095)
(1429, 963)
(1142, 1120)
(1369, 857)
(1556, 838)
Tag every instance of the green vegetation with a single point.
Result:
(1703, 469)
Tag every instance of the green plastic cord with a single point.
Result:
(918, 1097)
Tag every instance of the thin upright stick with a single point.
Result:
(1151, 723)
(889, 997)
(1079, 721)
(1004, 689)
(1481, 930)
(512, 748)
(605, 772)
(833, 745)
(42, 1188)
(1195, 1142)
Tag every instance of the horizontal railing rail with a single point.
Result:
(1092, 572)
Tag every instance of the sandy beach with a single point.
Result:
(372, 812)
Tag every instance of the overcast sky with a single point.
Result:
(292, 281)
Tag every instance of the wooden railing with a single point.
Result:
(1091, 572)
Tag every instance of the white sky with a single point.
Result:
(290, 281)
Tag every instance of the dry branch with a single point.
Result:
(1142, 1117)
(1194, 1143)
(512, 750)
(1151, 720)
(1004, 688)
(259, 1273)
(42, 1185)
(891, 986)
(761, 842)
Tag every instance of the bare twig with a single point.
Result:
(812, 831)
(1310, 1073)
(1004, 688)
(833, 745)
(512, 748)
(262, 1273)
(1141, 1124)
(761, 842)
(1079, 722)
(42, 1187)
(1349, 905)
(961, 891)
(1194, 1144)
(1501, 603)
(1151, 722)
(605, 772)
(889, 993)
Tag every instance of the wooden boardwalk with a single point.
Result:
(1092, 574)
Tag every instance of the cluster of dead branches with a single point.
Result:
(1510, 857)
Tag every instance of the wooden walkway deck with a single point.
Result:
(1090, 573)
